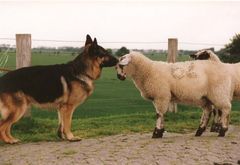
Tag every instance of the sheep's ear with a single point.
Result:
(124, 60)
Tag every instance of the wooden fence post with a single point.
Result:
(172, 55)
(172, 50)
(23, 55)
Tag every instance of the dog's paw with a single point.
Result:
(13, 141)
(75, 139)
(16, 141)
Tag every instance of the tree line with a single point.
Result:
(230, 53)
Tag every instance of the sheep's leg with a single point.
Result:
(161, 108)
(159, 129)
(216, 121)
(204, 120)
(225, 117)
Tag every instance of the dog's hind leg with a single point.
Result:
(3, 125)
(15, 117)
(66, 112)
(6, 118)
(13, 108)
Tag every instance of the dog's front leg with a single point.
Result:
(65, 120)
(60, 125)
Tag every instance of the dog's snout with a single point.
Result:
(109, 61)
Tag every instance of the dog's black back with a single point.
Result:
(43, 83)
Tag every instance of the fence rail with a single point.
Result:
(4, 70)
(121, 42)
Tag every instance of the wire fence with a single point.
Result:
(119, 42)
(7, 47)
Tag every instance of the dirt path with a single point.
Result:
(134, 149)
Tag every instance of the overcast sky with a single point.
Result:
(122, 21)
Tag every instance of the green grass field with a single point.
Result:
(115, 107)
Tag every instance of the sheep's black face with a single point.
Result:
(201, 55)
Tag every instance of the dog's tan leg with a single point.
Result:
(4, 137)
(5, 113)
(16, 116)
(8, 134)
(66, 114)
(60, 126)
(4, 123)
(14, 106)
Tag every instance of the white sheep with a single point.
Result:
(199, 83)
(207, 54)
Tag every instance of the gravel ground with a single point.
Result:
(132, 149)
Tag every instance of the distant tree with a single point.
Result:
(122, 51)
(110, 51)
(231, 52)
(233, 48)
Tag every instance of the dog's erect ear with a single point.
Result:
(88, 40)
(124, 60)
(95, 41)
(93, 49)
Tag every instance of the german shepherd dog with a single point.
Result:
(62, 86)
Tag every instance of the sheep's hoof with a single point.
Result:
(222, 132)
(215, 127)
(200, 131)
(158, 133)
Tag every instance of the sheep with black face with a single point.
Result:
(199, 83)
